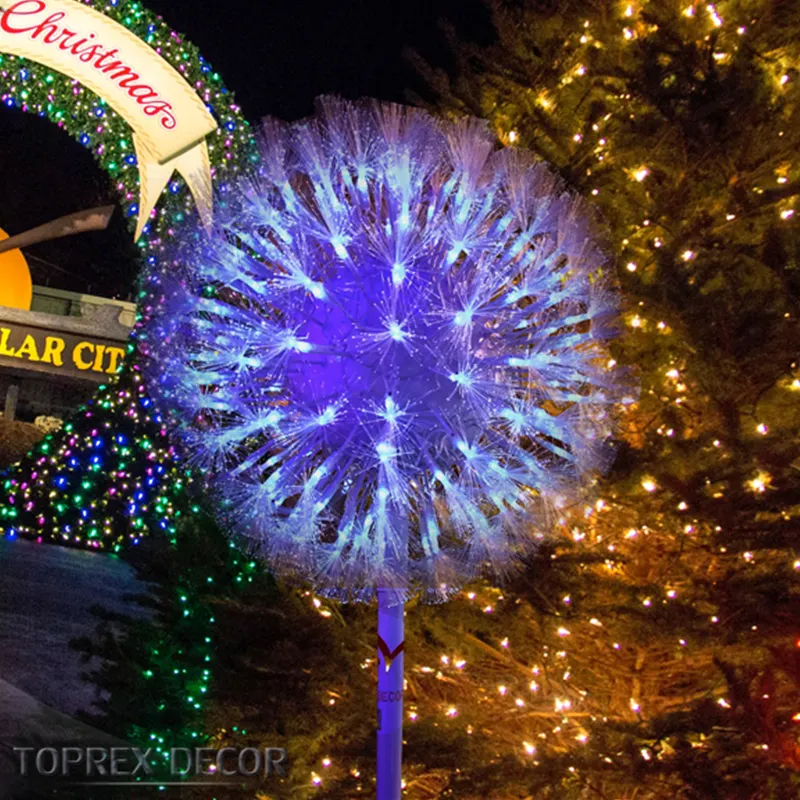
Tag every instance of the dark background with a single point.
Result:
(276, 55)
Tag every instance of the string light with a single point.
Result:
(760, 482)
(113, 463)
(715, 18)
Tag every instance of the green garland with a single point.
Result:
(111, 476)
(37, 89)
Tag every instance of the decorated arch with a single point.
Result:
(163, 126)
(135, 93)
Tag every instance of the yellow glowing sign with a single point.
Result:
(75, 355)
(16, 289)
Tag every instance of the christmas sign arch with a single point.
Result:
(49, 497)
(136, 93)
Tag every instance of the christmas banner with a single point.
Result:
(169, 121)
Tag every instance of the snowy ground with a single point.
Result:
(45, 596)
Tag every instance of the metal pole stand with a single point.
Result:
(391, 644)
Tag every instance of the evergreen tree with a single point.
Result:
(651, 647)
(106, 480)
(227, 657)
(155, 668)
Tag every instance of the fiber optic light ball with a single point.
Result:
(390, 359)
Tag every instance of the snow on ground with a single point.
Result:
(45, 596)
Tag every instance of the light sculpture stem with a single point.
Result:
(391, 644)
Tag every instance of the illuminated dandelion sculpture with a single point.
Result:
(390, 359)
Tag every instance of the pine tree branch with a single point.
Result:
(497, 655)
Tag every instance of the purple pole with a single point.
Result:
(391, 643)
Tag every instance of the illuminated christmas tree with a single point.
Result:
(106, 479)
(651, 649)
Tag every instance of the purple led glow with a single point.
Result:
(391, 357)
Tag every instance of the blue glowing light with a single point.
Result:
(391, 356)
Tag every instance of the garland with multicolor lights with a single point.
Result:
(111, 476)
(37, 89)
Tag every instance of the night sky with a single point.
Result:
(276, 55)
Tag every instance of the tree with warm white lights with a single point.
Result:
(654, 651)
